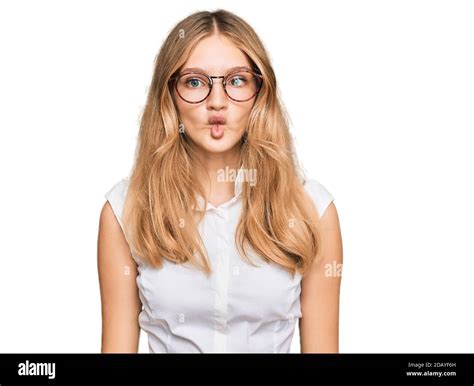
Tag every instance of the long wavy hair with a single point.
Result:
(278, 221)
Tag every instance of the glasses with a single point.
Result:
(194, 86)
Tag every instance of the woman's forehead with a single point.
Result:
(216, 54)
(208, 69)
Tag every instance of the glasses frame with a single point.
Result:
(174, 83)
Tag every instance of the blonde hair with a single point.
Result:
(279, 220)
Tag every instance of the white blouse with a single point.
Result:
(239, 308)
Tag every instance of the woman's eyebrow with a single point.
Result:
(229, 70)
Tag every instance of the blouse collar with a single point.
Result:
(239, 178)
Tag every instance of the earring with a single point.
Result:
(181, 128)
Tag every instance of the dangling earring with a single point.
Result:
(181, 128)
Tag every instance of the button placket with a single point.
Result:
(222, 284)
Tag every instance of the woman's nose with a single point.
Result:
(218, 95)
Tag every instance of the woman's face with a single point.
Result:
(215, 56)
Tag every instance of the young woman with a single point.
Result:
(215, 242)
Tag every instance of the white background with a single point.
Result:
(381, 100)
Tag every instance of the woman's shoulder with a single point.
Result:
(318, 193)
(116, 197)
(119, 186)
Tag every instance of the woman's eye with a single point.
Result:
(237, 81)
(193, 82)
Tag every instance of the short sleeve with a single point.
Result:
(116, 198)
(319, 194)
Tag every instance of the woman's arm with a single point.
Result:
(121, 303)
(319, 324)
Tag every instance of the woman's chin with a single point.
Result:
(215, 144)
(212, 145)
(218, 147)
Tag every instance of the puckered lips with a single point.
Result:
(217, 123)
